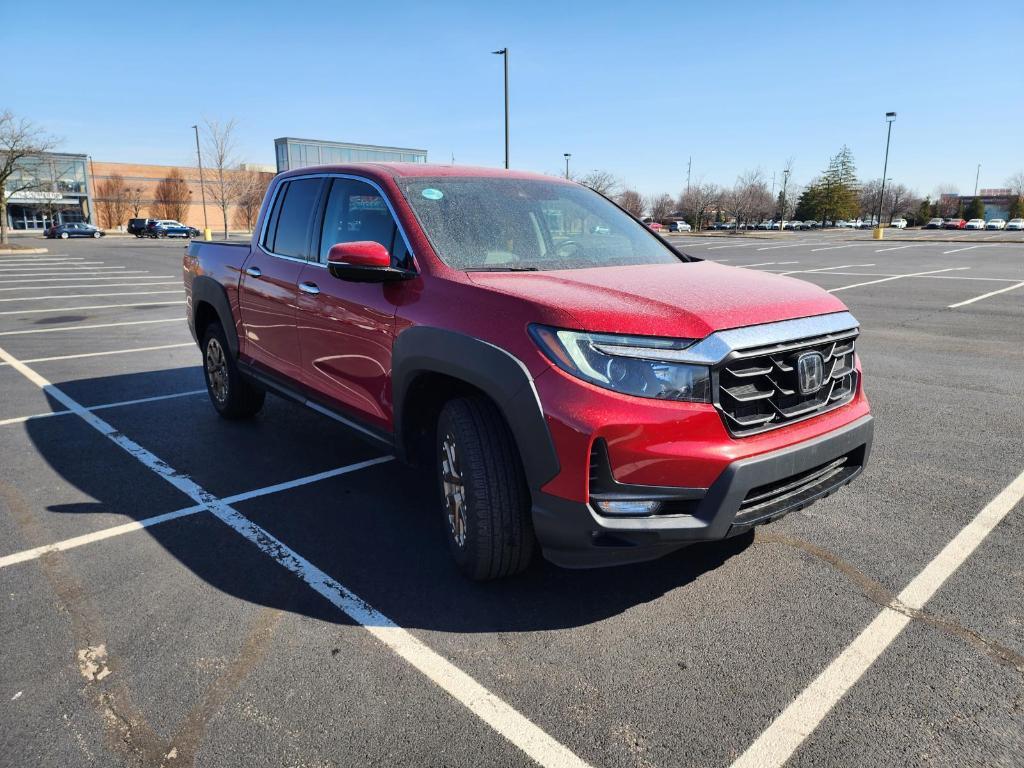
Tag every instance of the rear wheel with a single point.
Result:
(97, 234)
(232, 395)
(484, 497)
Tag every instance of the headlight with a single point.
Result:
(644, 366)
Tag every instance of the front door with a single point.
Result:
(346, 329)
(270, 277)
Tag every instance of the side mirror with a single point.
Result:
(364, 261)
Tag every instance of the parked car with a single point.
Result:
(843, 224)
(603, 415)
(74, 229)
(898, 223)
(1017, 224)
(934, 224)
(954, 224)
(656, 226)
(996, 224)
(170, 228)
(975, 224)
(679, 226)
(137, 227)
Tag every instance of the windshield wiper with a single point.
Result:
(503, 269)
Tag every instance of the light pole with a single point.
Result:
(785, 181)
(977, 175)
(567, 156)
(202, 186)
(889, 117)
(504, 53)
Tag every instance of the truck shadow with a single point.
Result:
(377, 531)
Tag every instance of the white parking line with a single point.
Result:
(797, 721)
(986, 295)
(94, 306)
(896, 277)
(759, 264)
(834, 247)
(789, 245)
(90, 327)
(500, 716)
(149, 522)
(103, 354)
(824, 269)
(895, 248)
(97, 285)
(91, 295)
(139, 274)
(58, 269)
(967, 248)
(731, 245)
(121, 404)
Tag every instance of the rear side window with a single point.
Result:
(288, 233)
(356, 211)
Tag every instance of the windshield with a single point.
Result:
(495, 224)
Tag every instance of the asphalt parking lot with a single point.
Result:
(179, 590)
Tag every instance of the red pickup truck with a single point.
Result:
(578, 384)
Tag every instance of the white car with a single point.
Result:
(1017, 224)
(975, 224)
(996, 224)
(844, 224)
(898, 223)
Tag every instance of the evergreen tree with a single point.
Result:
(924, 212)
(839, 183)
(975, 209)
(1017, 208)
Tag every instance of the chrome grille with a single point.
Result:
(757, 389)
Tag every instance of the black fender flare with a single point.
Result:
(206, 289)
(498, 374)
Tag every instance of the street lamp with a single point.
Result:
(785, 181)
(504, 53)
(567, 156)
(889, 117)
(202, 186)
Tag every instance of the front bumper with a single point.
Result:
(749, 492)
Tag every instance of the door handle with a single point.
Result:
(254, 272)
(310, 288)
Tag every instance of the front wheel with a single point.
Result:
(63, 235)
(97, 235)
(484, 497)
(231, 394)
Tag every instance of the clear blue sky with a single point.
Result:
(634, 88)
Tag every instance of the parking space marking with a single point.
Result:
(58, 269)
(788, 245)
(138, 525)
(834, 247)
(895, 248)
(499, 715)
(98, 285)
(895, 277)
(105, 406)
(986, 295)
(824, 269)
(967, 248)
(758, 264)
(138, 274)
(797, 721)
(91, 295)
(94, 306)
(731, 245)
(103, 354)
(89, 327)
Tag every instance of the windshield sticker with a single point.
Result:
(432, 194)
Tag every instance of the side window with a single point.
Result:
(273, 216)
(291, 229)
(356, 211)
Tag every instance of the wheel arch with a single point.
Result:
(432, 365)
(210, 303)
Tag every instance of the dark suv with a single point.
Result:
(137, 227)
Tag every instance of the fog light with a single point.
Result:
(632, 508)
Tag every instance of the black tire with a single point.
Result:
(496, 528)
(232, 395)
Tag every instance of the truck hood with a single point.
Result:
(685, 300)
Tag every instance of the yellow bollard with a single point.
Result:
(878, 233)
(207, 234)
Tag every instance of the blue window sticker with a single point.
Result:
(432, 194)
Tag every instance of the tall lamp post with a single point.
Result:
(202, 185)
(785, 181)
(889, 117)
(977, 176)
(504, 53)
(567, 156)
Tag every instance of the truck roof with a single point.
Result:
(397, 170)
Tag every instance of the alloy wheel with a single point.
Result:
(217, 370)
(454, 490)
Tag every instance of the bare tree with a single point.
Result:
(603, 182)
(751, 200)
(135, 198)
(171, 198)
(249, 188)
(19, 140)
(632, 201)
(220, 151)
(112, 201)
(1016, 184)
(660, 207)
(701, 199)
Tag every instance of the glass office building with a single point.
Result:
(299, 153)
(48, 189)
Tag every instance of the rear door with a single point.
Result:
(270, 276)
(346, 329)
